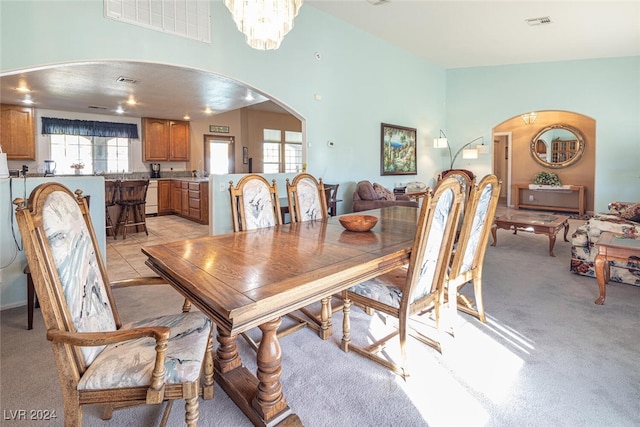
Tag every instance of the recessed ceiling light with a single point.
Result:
(23, 89)
(120, 110)
(186, 117)
(533, 22)
(131, 101)
(208, 110)
(27, 101)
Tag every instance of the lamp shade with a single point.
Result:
(470, 153)
(440, 143)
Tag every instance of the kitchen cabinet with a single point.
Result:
(17, 132)
(164, 197)
(176, 197)
(185, 198)
(199, 202)
(166, 140)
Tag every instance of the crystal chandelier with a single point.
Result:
(264, 22)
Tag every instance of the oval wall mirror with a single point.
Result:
(557, 146)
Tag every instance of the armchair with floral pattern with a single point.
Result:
(622, 218)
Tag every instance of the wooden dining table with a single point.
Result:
(253, 278)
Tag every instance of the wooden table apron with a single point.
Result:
(247, 279)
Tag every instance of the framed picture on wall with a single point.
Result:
(245, 155)
(398, 150)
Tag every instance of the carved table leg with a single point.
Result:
(493, 234)
(566, 230)
(346, 325)
(552, 242)
(227, 357)
(269, 400)
(325, 318)
(602, 275)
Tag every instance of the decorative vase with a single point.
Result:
(77, 171)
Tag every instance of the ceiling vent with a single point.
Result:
(533, 22)
(123, 79)
(378, 2)
(97, 107)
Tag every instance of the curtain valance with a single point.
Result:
(55, 126)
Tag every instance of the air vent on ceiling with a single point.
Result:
(543, 20)
(123, 79)
(378, 2)
(98, 107)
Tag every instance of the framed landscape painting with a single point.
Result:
(398, 150)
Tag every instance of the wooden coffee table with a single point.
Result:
(612, 247)
(533, 222)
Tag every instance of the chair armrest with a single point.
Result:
(138, 281)
(155, 392)
(615, 208)
(159, 333)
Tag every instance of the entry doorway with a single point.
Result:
(219, 154)
(502, 165)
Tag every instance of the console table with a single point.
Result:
(569, 198)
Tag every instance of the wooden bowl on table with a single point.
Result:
(358, 222)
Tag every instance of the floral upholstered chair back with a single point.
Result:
(434, 241)
(82, 295)
(254, 203)
(307, 198)
(481, 208)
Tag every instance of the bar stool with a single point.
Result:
(131, 198)
(110, 198)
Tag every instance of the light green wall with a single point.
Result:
(607, 90)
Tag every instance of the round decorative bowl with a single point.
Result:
(358, 222)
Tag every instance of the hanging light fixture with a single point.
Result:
(529, 118)
(264, 22)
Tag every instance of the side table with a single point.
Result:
(612, 247)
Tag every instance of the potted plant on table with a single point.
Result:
(77, 167)
(547, 178)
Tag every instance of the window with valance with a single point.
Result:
(54, 126)
(88, 146)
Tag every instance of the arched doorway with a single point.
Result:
(513, 161)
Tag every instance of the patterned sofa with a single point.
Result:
(583, 241)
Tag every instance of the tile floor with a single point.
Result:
(126, 260)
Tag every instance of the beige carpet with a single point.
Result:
(547, 356)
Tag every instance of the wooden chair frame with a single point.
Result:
(294, 200)
(237, 200)
(467, 261)
(66, 341)
(410, 304)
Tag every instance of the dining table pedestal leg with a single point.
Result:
(260, 397)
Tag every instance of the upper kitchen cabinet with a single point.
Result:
(17, 133)
(166, 140)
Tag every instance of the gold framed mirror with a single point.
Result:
(557, 146)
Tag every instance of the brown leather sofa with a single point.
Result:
(366, 197)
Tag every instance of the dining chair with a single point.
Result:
(110, 199)
(331, 194)
(306, 196)
(132, 195)
(466, 179)
(99, 359)
(255, 205)
(407, 292)
(468, 258)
